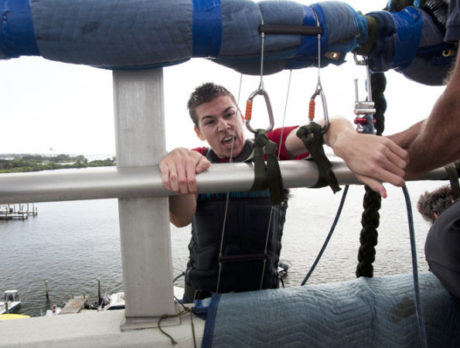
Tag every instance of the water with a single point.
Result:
(73, 244)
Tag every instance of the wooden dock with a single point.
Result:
(74, 305)
(19, 212)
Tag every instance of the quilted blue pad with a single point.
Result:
(136, 34)
(367, 312)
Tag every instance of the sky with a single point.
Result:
(50, 107)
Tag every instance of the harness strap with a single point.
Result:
(451, 170)
(312, 138)
(266, 175)
(243, 258)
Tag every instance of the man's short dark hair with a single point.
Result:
(204, 94)
(435, 202)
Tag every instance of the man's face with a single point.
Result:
(218, 121)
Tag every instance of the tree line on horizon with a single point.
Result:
(31, 163)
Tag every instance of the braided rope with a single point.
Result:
(372, 200)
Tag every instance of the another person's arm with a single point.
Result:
(435, 141)
(178, 173)
(372, 159)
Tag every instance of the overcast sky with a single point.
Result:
(50, 107)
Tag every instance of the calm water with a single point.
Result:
(73, 244)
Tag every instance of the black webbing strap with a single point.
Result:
(266, 175)
(452, 173)
(243, 258)
(312, 138)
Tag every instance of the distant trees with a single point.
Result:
(32, 163)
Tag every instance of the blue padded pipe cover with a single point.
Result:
(430, 66)
(241, 40)
(127, 34)
(409, 28)
(114, 33)
(207, 28)
(366, 312)
(342, 26)
(308, 49)
(17, 35)
(398, 39)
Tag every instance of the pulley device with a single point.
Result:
(364, 109)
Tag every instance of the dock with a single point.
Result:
(74, 305)
(17, 212)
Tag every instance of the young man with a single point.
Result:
(243, 255)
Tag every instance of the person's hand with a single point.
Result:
(373, 159)
(179, 168)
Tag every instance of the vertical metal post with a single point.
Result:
(144, 222)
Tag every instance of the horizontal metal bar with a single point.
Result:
(290, 29)
(112, 182)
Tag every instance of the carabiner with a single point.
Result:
(311, 110)
(248, 113)
(319, 89)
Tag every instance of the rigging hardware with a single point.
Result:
(364, 109)
(319, 90)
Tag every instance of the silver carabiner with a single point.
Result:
(248, 113)
(319, 89)
(311, 112)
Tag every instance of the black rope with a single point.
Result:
(379, 83)
(372, 200)
(369, 235)
(329, 235)
(418, 305)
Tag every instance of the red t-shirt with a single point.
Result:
(275, 136)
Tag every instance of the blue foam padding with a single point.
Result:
(367, 312)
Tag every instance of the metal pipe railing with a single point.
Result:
(137, 182)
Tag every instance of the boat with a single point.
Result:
(117, 300)
(11, 302)
(10, 316)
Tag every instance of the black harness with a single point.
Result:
(243, 256)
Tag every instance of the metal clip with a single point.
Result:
(260, 91)
(319, 89)
(248, 113)
(311, 111)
